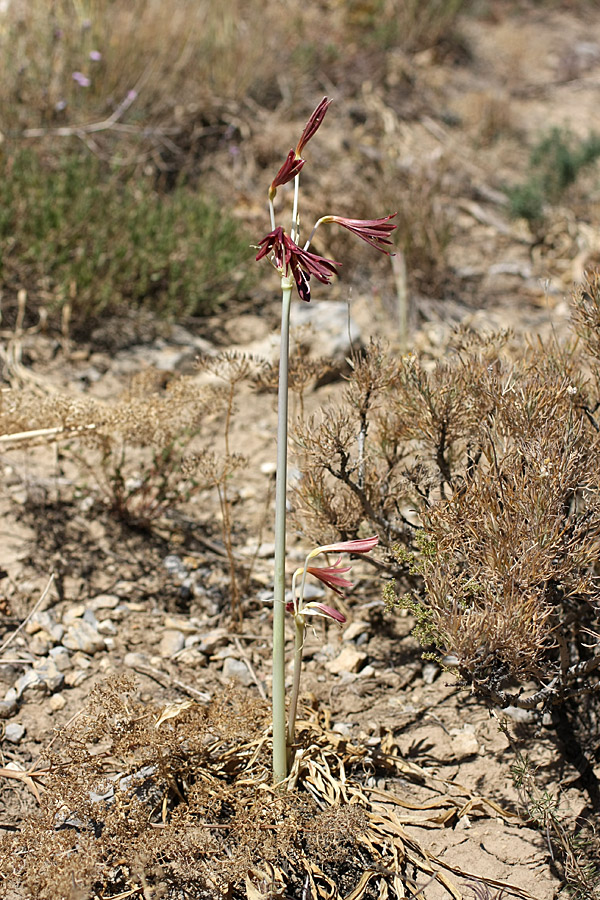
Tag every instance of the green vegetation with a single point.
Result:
(555, 164)
(75, 227)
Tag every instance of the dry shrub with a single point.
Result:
(481, 474)
(168, 802)
(133, 448)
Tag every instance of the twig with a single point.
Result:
(13, 634)
(46, 432)
(250, 668)
(165, 680)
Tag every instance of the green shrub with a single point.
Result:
(555, 164)
(76, 227)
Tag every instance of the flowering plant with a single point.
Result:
(296, 265)
(332, 576)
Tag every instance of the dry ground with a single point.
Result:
(527, 71)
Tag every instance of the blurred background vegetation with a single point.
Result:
(135, 136)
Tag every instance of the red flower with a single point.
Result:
(332, 575)
(302, 264)
(359, 545)
(374, 231)
(313, 125)
(318, 609)
(287, 172)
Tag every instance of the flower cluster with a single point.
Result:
(332, 576)
(283, 250)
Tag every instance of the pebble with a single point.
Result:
(40, 620)
(81, 635)
(61, 658)
(89, 616)
(74, 612)
(355, 630)
(178, 624)
(104, 601)
(190, 656)
(8, 707)
(430, 672)
(236, 670)
(75, 677)
(57, 702)
(133, 660)
(210, 640)
(31, 683)
(343, 728)
(107, 626)
(40, 643)
(268, 468)
(51, 675)
(171, 643)
(349, 660)
(464, 743)
(14, 732)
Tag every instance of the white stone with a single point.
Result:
(349, 660)
(14, 732)
(355, 629)
(57, 702)
(171, 643)
(80, 635)
(104, 601)
(236, 670)
(179, 624)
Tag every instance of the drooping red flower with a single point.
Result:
(332, 575)
(374, 231)
(313, 125)
(318, 609)
(287, 172)
(301, 263)
(359, 545)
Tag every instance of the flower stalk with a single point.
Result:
(279, 735)
(296, 265)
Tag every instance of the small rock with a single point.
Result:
(367, 672)
(191, 656)
(268, 468)
(464, 745)
(31, 683)
(40, 619)
(14, 732)
(8, 707)
(134, 660)
(57, 702)
(171, 643)
(89, 616)
(349, 660)
(76, 677)
(61, 658)
(40, 644)
(80, 635)
(107, 626)
(430, 672)
(343, 728)
(81, 660)
(237, 670)
(74, 612)
(104, 601)
(50, 673)
(355, 629)
(213, 639)
(174, 623)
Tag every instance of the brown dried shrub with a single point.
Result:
(481, 474)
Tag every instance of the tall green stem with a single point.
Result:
(279, 728)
